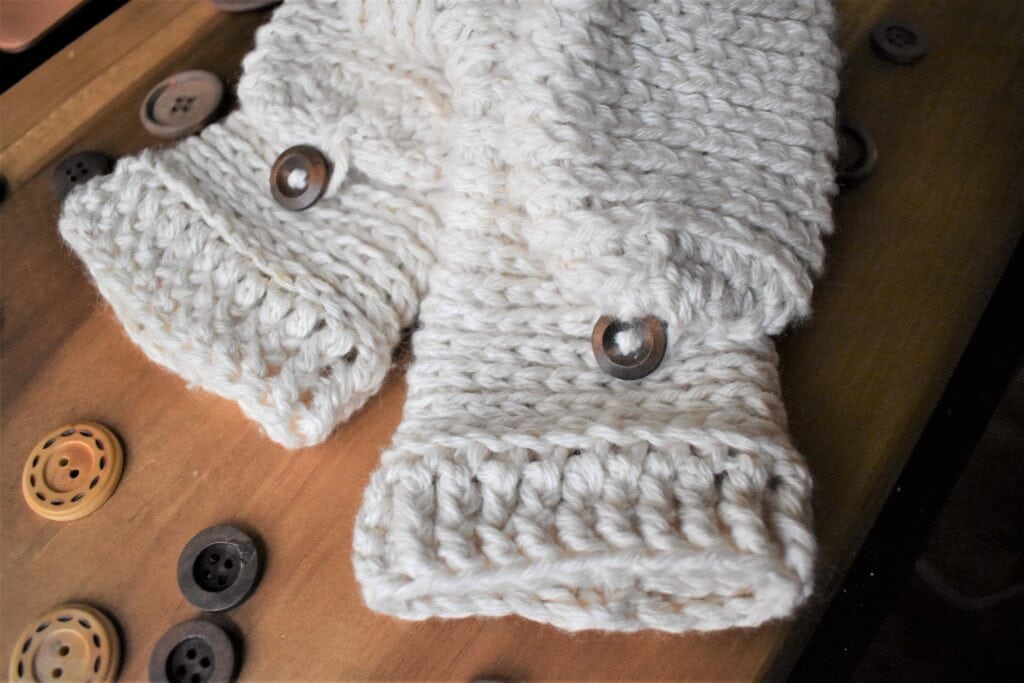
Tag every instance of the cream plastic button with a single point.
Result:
(72, 471)
(182, 104)
(68, 643)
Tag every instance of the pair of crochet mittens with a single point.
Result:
(599, 209)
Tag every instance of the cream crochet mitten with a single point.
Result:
(640, 160)
(293, 314)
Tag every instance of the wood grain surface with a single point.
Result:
(919, 248)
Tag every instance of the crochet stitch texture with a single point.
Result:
(292, 315)
(510, 172)
(626, 158)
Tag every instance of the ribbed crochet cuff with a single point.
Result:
(550, 492)
(292, 315)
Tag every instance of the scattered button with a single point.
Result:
(899, 41)
(629, 349)
(77, 169)
(857, 154)
(72, 471)
(218, 569)
(69, 643)
(193, 652)
(243, 5)
(182, 104)
(299, 177)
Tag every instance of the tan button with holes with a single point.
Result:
(182, 104)
(69, 643)
(72, 471)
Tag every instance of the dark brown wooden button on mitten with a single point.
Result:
(182, 104)
(72, 471)
(299, 177)
(243, 5)
(218, 569)
(68, 643)
(193, 652)
(899, 41)
(857, 154)
(78, 168)
(645, 352)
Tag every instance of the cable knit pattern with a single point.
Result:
(628, 158)
(292, 315)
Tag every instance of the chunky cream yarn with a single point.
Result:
(535, 165)
(626, 158)
(292, 315)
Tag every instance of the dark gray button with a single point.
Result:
(641, 360)
(193, 652)
(243, 5)
(77, 169)
(857, 154)
(899, 41)
(218, 569)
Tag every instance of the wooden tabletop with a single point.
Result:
(918, 251)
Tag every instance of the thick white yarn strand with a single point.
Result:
(623, 158)
(292, 315)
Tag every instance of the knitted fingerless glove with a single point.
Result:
(657, 161)
(291, 314)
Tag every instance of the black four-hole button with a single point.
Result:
(218, 569)
(194, 651)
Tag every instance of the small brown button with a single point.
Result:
(78, 168)
(182, 104)
(218, 568)
(299, 177)
(857, 154)
(629, 349)
(68, 643)
(899, 41)
(193, 652)
(243, 5)
(72, 471)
